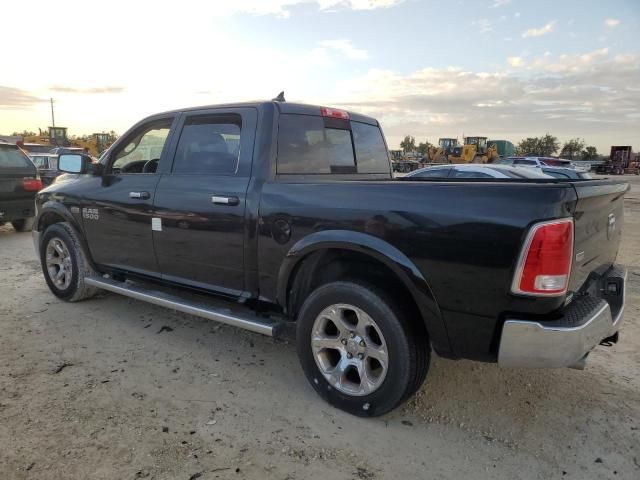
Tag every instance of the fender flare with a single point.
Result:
(51, 206)
(380, 250)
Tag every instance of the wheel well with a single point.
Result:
(325, 266)
(49, 218)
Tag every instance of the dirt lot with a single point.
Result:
(114, 388)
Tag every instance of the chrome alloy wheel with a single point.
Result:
(349, 350)
(58, 260)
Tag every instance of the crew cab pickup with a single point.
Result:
(280, 218)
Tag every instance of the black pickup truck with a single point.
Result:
(279, 218)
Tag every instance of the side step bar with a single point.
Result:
(219, 314)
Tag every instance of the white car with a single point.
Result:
(536, 162)
(476, 170)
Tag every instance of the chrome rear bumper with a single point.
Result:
(565, 342)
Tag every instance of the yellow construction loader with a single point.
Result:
(96, 144)
(474, 150)
(445, 148)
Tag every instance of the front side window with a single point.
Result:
(305, 146)
(209, 144)
(525, 162)
(141, 153)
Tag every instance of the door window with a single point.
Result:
(209, 145)
(142, 151)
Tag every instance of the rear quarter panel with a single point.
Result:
(463, 237)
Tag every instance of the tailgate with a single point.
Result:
(598, 227)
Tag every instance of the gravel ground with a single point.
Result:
(115, 388)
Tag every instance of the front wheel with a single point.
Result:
(358, 350)
(65, 264)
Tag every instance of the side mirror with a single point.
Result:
(74, 163)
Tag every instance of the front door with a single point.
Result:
(117, 210)
(200, 202)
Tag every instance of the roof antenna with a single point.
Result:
(280, 97)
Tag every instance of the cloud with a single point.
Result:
(611, 22)
(16, 98)
(346, 48)
(500, 3)
(516, 61)
(581, 98)
(282, 8)
(92, 90)
(538, 32)
(483, 24)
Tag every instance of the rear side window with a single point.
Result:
(305, 146)
(525, 162)
(210, 145)
(11, 157)
(470, 174)
(432, 173)
(371, 151)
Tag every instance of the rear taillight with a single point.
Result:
(334, 113)
(544, 265)
(31, 184)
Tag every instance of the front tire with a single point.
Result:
(65, 263)
(23, 224)
(358, 349)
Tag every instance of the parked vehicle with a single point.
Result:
(273, 215)
(622, 159)
(564, 172)
(19, 183)
(535, 162)
(505, 148)
(47, 165)
(477, 171)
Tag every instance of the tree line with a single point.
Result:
(544, 146)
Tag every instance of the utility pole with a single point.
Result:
(53, 118)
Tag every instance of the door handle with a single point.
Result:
(140, 195)
(224, 200)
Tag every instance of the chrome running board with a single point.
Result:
(247, 321)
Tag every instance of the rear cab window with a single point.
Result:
(315, 145)
(12, 158)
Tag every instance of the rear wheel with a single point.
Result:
(23, 224)
(65, 263)
(358, 349)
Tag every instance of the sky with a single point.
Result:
(505, 69)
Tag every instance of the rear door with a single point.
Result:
(117, 206)
(199, 207)
(598, 227)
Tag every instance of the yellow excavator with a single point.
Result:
(445, 148)
(474, 150)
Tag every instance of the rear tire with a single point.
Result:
(65, 263)
(23, 224)
(358, 348)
